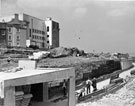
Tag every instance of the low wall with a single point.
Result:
(126, 64)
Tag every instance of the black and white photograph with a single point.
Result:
(67, 53)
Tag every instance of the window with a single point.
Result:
(32, 30)
(3, 33)
(9, 37)
(47, 35)
(47, 28)
(43, 32)
(18, 30)
(40, 32)
(9, 29)
(9, 44)
(18, 38)
(18, 44)
(33, 36)
(37, 31)
(30, 33)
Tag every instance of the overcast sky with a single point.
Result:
(103, 26)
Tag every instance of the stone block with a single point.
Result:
(27, 64)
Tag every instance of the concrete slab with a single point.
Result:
(26, 76)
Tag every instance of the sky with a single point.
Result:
(90, 25)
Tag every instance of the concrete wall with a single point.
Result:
(125, 64)
(18, 38)
(125, 74)
(22, 37)
(100, 85)
(55, 34)
(49, 24)
(3, 34)
(35, 24)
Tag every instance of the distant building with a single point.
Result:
(3, 34)
(52, 32)
(24, 30)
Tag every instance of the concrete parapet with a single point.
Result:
(126, 64)
(27, 64)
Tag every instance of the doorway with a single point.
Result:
(37, 92)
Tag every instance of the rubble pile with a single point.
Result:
(123, 97)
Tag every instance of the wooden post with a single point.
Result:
(71, 92)
(9, 96)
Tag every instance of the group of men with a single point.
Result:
(87, 86)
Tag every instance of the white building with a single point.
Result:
(52, 28)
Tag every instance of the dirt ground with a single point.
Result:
(123, 97)
(4, 65)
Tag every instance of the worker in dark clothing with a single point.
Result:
(88, 85)
(94, 84)
(64, 88)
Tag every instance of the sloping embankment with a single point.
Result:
(123, 97)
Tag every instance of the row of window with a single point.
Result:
(33, 36)
(9, 37)
(18, 44)
(37, 31)
(10, 44)
(10, 30)
(38, 37)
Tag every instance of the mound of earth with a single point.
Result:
(82, 65)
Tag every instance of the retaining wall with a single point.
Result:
(126, 64)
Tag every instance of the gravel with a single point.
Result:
(123, 97)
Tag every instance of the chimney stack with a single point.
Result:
(16, 16)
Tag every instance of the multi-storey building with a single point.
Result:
(24, 30)
(13, 33)
(3, 35)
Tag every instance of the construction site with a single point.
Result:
(35, 70)
(40, 75)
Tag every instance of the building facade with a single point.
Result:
(3, 35)
(24, 30)
(13, 33)
(52, 28)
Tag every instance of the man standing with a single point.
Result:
(88, 85)
(64, 88)
(94, 84)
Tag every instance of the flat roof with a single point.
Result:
(31, 76)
